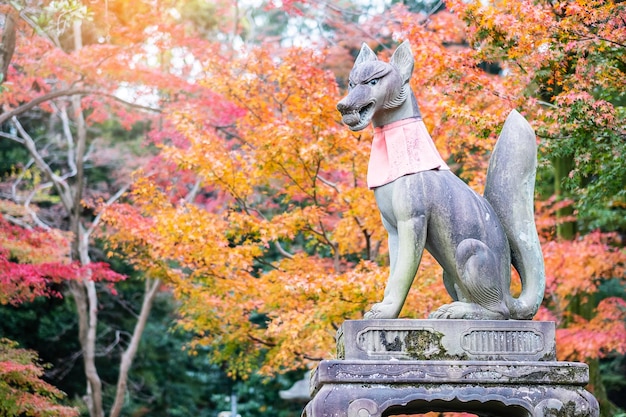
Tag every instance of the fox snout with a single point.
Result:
(356, 98)
(343, 107)
(357, 108)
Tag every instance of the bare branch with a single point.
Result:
(152, 285)
(108, 349)
(61, 186)
(42, 99)
(11, 137)
(71, 161)
(193, 192)
(67, 93)
(108, 203)
(16, 221)
(282, 250)
(32, 212)
(545, 103)
(23, 14)
(330, 184)
(17, 181)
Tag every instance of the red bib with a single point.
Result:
(401, 148)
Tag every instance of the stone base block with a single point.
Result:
(447, 340)
(358, 388)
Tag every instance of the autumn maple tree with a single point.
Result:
(571, 56)
(72, 73)
(22, 391)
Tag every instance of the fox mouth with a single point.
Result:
(359, 118)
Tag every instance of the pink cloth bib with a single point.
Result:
(401, 148)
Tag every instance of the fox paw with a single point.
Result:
(469, 311)
(382, 311)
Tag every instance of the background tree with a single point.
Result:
(22, 391)
(66, 54)
(70, 108)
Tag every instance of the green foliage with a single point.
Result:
(49, 327)
(168, 381)
(11, 154)
(590, 133)
(201, 14)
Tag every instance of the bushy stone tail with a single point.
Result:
(510, 190)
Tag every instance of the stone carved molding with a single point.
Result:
(363, 407)
(443, 372)
(502, 341)
(512, 400)
(474, 399)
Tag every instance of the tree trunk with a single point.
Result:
(85, 294)
(85, 297)
(562, 168)
(129, 354)
(7, 44)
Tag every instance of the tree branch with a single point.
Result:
(42, 99)
(59, 184)
(129, 354)
(66, 93)
(113, 199)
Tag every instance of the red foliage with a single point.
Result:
(603, 334)
(33, 260)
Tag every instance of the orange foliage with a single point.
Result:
(287, 239)
(266, 230)
(574, 270)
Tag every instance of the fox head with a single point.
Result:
(379, 92)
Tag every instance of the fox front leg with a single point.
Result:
(408, 238)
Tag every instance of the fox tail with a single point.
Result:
(510, 190)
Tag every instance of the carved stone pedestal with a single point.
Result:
(489, 368)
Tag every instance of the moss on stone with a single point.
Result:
(427, 345)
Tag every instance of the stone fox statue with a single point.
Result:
(425, 206)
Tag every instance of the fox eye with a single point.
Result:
(374, 81)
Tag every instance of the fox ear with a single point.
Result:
(403, 60)
(366, 54)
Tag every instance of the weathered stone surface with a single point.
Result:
(489, 368)
(446, 340)
(449, 372)
(424, 206)
(369, 388)
(377, 400)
